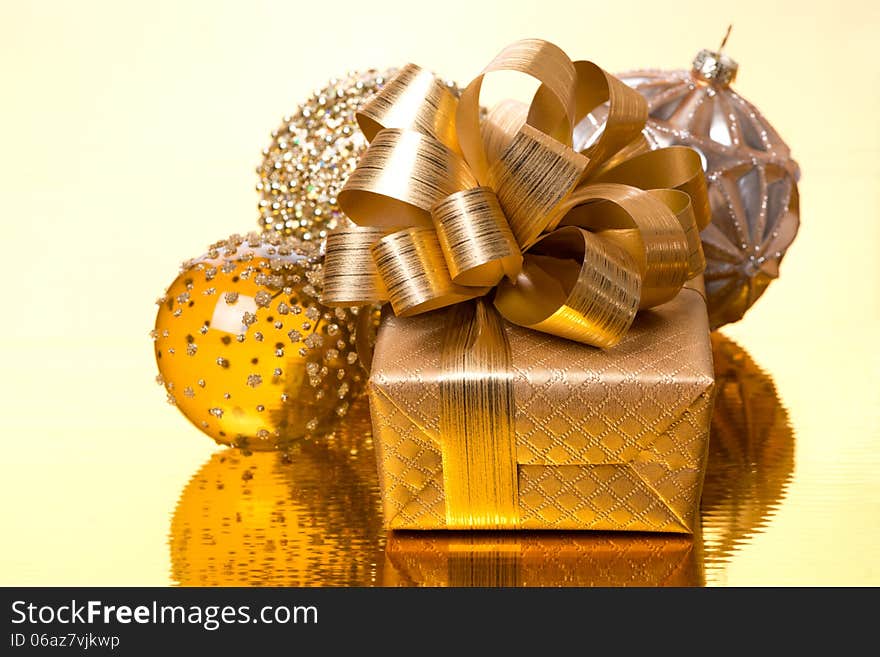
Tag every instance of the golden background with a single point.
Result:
(129, 137)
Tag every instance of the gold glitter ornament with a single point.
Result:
(751, 175)
(247, 352)
(311, 156)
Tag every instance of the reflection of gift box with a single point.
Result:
(540, 559)
(610, 439)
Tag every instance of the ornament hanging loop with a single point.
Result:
(726, 37)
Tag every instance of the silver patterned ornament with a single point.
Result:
(752, 177)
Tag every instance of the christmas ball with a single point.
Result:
(311, 156)
(751, 454)
(752, 177)
(308, 517)
(245, 349)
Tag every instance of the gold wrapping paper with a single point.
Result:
(611, 439)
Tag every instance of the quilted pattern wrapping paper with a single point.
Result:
(609, 440)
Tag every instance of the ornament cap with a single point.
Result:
(715, 68)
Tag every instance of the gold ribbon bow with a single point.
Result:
(451, 202)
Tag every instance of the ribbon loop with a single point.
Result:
(680, 205)
(627, 110)
(475, 238)
(643, 225)
(574, 285)
(674, 167)
(532, 179)
(413, 100)
(451, 201)
(350, 274)
(411, 265)
(500, 126)
(400, 177)
(551, 113)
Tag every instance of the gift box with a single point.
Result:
(612, 439)
(544, 367)
(541, 559)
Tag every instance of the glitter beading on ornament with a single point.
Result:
(246, 350)
(752, 177)
(311, 156)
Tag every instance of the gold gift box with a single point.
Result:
(611, 439)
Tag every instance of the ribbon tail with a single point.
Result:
(476, 421)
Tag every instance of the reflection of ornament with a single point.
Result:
(752, 178)
(311, 156)
(308, 517)
(751, 454)
(313, 516)
(245, 349)
(541, 559)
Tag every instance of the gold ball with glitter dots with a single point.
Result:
(246, 350)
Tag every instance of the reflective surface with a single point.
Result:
(313, 517)
(130, 139)
(751, 454)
